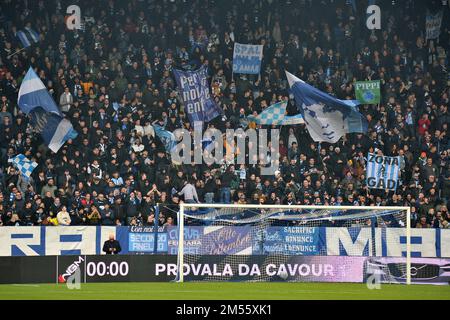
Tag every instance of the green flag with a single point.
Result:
(368, 92)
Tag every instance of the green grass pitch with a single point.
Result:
(223, 291)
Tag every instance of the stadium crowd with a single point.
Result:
(114, 78)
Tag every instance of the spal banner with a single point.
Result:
(368, 92)
(247, 58)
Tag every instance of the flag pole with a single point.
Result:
(14, 53)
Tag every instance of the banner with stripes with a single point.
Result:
(27, 37)
(382, 172)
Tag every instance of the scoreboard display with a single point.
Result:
(112, 268)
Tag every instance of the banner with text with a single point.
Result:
(194, 91)
(382, 172)
(433, 25)
(163, 268)
(247, 58)
(229, 240)
(368, 92)
(289, 240)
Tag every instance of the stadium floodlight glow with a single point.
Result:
(297, 243)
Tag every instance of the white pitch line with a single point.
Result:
(26, 285)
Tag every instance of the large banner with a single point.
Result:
(290, 240)
(433, 25)
(192, 240)
(368, 92)
(382, 172)
(247, 58)
(194, 90)
(229, 240)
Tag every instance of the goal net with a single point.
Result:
(293, 243)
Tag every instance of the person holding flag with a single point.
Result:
(46, 118)
(24, 165)
(27, 37)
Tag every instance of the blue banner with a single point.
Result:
(247, 58)
(192, 240)
(227, 240)
(142, 239)
(167, 138)
(194, 91)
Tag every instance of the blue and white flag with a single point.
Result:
(24, 165)
(291, 120)
(326, 117)
(275, 115)
(167, 138)
(46, 119)
(54, 129)
(27, 37)
(194, 90)
(247, 58)
(33, 94)
(382, 172)
(208, 143)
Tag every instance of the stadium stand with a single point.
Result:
(114, 77)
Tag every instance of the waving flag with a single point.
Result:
(275, 115)
(54, 129)
(24, 165)
(33, 94)
(27, 37)
(208, 143)
(326, 117)
(166, 137)
(46, 119)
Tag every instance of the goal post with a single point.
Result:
(180, 260)
(222, 242)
